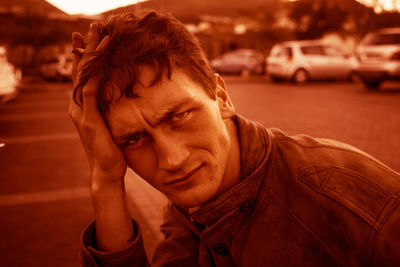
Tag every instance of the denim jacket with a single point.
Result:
(302, 201)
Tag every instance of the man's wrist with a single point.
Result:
(105, 182)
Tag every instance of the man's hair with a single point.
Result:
(154, 39)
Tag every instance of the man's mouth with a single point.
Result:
(181, 181)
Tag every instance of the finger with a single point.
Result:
(93, 37)
(92, 86)
(77, 43)
(89, 96)
(103, 44)
(74, 111)
(77, 40)
(92, 41)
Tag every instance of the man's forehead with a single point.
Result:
(129, 118)
(153, 103)
(127, 81)
(147, 75)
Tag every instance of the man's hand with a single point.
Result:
(107, 162)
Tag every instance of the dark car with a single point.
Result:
(240, 61)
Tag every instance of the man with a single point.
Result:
(241, 195)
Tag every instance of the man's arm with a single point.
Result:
(113, 226)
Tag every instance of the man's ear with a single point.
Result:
(224, 102)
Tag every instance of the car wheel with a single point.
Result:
(372, 84)
(300, 76)
(59, 77)
(275, 79)
(245, 72)
(353, 77)
(259, 69)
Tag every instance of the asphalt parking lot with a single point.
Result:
(44, 192)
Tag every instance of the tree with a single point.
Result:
(314, 18)
(36, 31)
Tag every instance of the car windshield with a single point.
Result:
(312, 50)
(382, 39)
(280, 51)
(332, 51)
(51, 61)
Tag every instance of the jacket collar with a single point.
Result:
(255, 146)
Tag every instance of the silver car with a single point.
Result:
(379, 57)
(10, 78)
(302, 61)
(239, 61)
(59, 68)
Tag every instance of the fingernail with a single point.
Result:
(78, 51)
(93, 26)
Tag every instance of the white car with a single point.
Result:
(379, 57)
(59, 68)
(302, 61)
(10, 78)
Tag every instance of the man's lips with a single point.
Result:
(183, 179)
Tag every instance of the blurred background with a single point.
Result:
(325, 68)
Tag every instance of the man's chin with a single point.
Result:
(189, 200)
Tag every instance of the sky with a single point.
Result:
(89, 7)
(382, 4)
(92, 7)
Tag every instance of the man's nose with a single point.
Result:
(172, 152)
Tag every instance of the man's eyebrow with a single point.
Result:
(170, 111)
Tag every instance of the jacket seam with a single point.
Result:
(359, 153)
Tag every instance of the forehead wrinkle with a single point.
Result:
(165, 112)
(126, 122)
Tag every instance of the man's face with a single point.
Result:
(177, 138)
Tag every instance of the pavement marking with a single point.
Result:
(33, 116)
(44, 196)
(35, 104)
(38, 138)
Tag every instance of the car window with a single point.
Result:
(275, 51)
(382, 39)
(287, 51)
(332, 51)
(312, 50)
(283, 52)
(233, 58)
(51, 61)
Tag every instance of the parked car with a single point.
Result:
(301, 61)
(239, 61)
(379, 57)
(59, 68)
(10, 78)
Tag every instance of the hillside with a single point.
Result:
(188, 10)
(32, 7)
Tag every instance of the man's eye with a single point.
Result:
(136, 139)
(179, 116)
